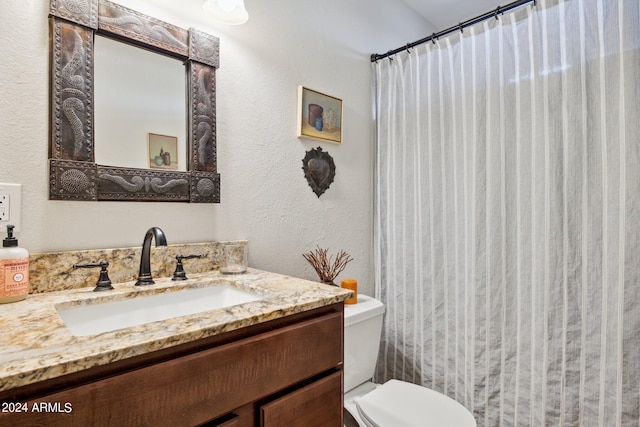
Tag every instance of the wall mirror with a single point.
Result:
(133, 110)
(122, 139)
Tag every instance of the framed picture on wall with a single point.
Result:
(163, 151)
(319, 115)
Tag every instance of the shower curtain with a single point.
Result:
(507, 215)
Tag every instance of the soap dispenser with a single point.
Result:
(14, 269)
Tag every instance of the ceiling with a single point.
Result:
(447, 13)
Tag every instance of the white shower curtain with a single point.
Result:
(507, 228)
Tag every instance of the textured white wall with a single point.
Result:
(265, 198)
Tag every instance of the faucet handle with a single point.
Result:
(179, 274)
(103, 283)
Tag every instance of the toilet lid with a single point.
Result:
(401, 404)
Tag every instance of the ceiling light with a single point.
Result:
(230, 12)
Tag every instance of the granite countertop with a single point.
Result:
(36, 344)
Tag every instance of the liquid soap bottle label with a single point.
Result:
(14, 277)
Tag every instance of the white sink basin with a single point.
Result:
(99, 317)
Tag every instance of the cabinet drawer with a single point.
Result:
(318, 404)
(199, 387)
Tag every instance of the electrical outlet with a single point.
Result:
(4, 207)
(10, 205)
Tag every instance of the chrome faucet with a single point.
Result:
(144, 277)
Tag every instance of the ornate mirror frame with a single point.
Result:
(73, 173)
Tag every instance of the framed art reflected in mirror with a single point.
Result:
(163, 151)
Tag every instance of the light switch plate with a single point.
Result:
(10, 206)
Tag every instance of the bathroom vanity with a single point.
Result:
(272, 362)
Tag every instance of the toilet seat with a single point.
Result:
(401, 404)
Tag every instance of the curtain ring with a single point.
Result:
(461, 27)
(408, 48)
(497, 12)
(433, 38)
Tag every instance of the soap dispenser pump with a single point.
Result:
(14, 269)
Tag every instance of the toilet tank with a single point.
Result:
(362, 328)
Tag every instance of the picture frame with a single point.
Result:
(163, 151)
(319, 116)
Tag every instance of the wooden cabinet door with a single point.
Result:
(318, 404)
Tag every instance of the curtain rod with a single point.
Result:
(459, 27)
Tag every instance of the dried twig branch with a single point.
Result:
(327, 267)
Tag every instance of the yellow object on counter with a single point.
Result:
(352, 285)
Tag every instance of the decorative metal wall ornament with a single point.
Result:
(319, 169)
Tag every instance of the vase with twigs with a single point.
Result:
(327, 267)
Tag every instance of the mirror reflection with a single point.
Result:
(140, 107)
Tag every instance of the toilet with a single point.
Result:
(394, 403)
